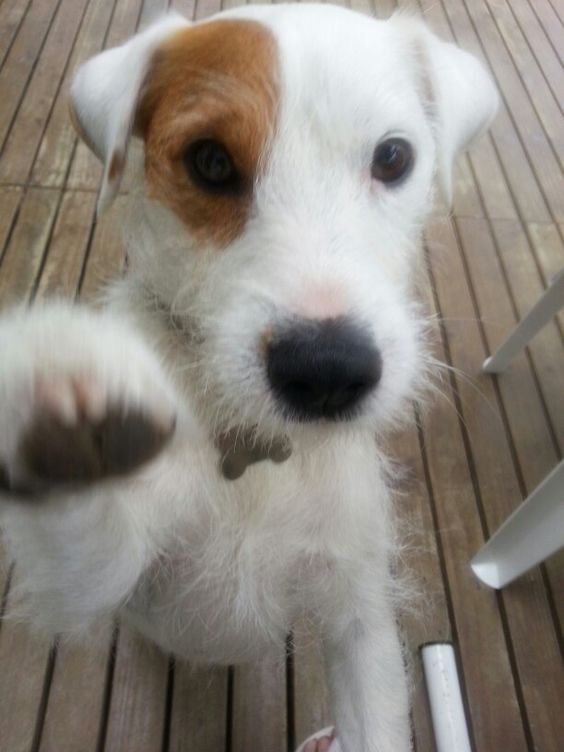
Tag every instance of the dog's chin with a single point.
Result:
(283, 422)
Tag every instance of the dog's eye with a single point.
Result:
(210, 166)
(392, 161)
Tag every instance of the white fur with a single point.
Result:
(209, 569)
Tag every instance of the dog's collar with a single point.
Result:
(238, 449)
(173, 323)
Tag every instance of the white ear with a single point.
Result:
(464, 100)
(104, 97)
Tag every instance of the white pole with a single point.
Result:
(445, 698)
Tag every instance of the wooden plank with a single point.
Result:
(137, 710)
(533, 442)
(384, 8)
(206, 8)
(549, 251)
(10, 198)
(527, 610)
(558, 9)
(552, 24)
(228, 4)
(522, 179)
(68, 246)
(24, 663)
(491, 182)
(466, 201)
(363, 6)
(76, 698)
(478, 623)
(24, 138)
(527, 287)
(549, 247)
(152, 9)
(86, 171)
(5, 576)
(524, 118)
(185, 7)
(12, 14)
(59, 139)
(540, 46)
(24, 254)
(484, 170)
(199, 709)
(530, 74)
(259, 706)
(107, 251)
(21, 58)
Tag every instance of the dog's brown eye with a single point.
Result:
(210, 166)
(393, 160)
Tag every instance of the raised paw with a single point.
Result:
(79, 434)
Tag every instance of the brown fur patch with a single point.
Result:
(215, 80)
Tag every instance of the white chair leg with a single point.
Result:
(547, 307)
(532, 533)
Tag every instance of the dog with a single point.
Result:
(201, 456)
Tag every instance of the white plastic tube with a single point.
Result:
(445, 698)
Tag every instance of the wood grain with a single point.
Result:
(137, 712)
(259, 705)
(59, 138)
(76, 698)
(27, 128)
(199, 709)
(20, 59)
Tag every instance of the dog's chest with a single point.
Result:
(226, 595)
(248, 557)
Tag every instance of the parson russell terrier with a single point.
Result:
(267, 313)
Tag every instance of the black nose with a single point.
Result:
(323, 369)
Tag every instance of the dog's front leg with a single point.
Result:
(87, 413)
(368, 683)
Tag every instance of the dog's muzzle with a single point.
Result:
(322, 368)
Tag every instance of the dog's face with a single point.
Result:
(289, 162)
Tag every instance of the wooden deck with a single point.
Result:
(483, 447)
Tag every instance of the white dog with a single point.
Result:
(267, 313)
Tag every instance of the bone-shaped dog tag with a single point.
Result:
(239, 450)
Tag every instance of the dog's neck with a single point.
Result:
(238, 448)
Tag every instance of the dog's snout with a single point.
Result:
(323, 369)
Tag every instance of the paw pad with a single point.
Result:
(55, 453)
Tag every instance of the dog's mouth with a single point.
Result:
(240, 448)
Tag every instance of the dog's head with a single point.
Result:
(290, 154)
